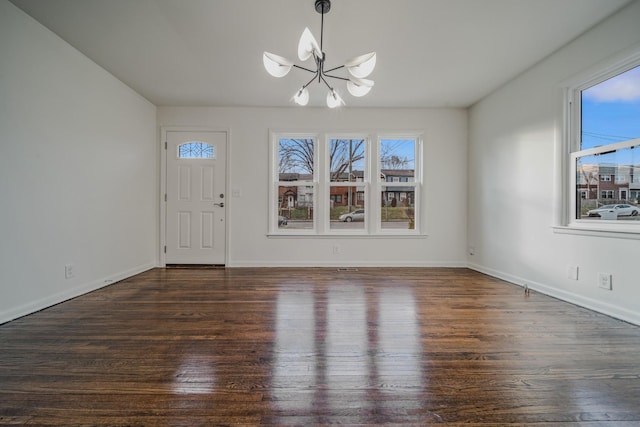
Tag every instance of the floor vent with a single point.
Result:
(347, 269)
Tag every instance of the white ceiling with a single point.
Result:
(431, 53)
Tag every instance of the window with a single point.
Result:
(321, 184)
(295, 183)
(604, 141)
(347, 160)
(397, 160)
(196, 150)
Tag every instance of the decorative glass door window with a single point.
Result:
(196, 150)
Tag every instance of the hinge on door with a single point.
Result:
(165, 145)
(165, 249)
(165, 197)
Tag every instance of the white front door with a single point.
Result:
(195, 208)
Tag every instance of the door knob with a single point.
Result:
(219, 204)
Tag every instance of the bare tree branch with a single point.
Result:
(394, 162)
(343, 153)
(296, 156)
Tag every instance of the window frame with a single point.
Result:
(371, 182)
(416, 183)
(364, 183)
(275, 183)
(571, 150)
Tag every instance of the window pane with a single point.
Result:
(334, 174)
(295, 159)
(196, 150)
(611, 110)
(398, 208)
(295, 206)
(346, 159)
(608, 179)
(397, 160)
(349, 213)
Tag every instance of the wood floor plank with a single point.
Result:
(316, 346)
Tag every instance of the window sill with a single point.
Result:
(346, 236)
(609, 230)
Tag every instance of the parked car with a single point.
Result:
(618, 210)
(357, 215)
(282, 221)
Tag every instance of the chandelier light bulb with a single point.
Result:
(333, 99)
(359, 87)
(361, 66)
(301, 97)
(308, 46)
(276, 65)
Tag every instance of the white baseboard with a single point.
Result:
(598, 306)
(570, 297)
(67, 294)
(353, 264)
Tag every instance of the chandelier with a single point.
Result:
(358, 67)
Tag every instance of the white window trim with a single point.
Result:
(365, 183)
(371, 182)
(566, 222)
(274, 183)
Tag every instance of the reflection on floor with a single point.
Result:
(278, 346)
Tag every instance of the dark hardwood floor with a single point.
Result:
(403, 346)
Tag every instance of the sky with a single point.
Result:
(402, 148)
(611, 110)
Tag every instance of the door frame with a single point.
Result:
(163, 185)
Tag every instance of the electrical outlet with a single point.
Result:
(69, 271)
(336, 249)
(605, 281)
(472, 250)
(572, 272)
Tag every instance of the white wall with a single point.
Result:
(78, 171)
(515, 141)
(445, 134)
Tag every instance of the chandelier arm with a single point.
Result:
(335, 77)
(325, 82)
(306, 69)
(319, 65)
(333, 69)
(309, 82)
